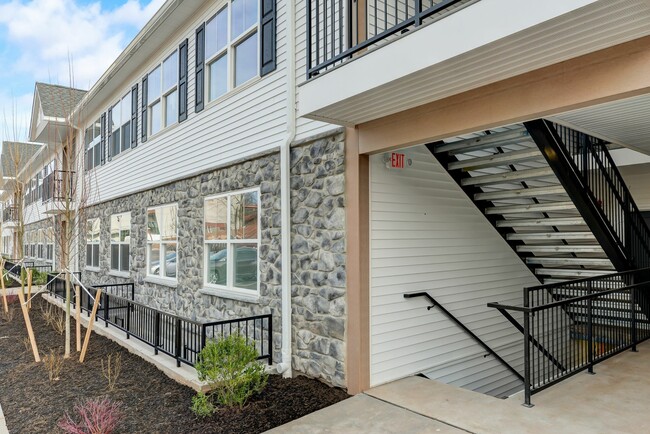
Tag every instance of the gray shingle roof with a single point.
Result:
(58, 101)
(15, 156)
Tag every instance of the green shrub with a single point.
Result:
(201, 405)
(231, 369)
(38, 277)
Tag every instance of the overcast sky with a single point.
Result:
(40, 39)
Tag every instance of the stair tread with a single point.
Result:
(499, 178)
(556, 221)
(533, 207)
(484, 142)
(563, 248)
(520, 192)
(571, 261)
(520, 236)
(578, 272)
(496, 159)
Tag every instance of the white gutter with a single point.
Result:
(285, 203)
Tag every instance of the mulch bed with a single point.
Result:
(152, 402)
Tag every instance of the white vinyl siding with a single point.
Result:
(426, 235)
(250, 120)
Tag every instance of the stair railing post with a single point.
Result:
(633, 313)
(527, 361)
(590, 330)
(128, 319)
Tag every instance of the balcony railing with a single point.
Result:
(337, 30)
(10, 214)
(58, 186)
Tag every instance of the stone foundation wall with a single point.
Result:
(318, 258)
(318, 250)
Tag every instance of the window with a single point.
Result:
(120, 240)
(162, 236)
(49, 254)
(120, 127)
(92, 139)
(232, 241)
(41, 245)
(162, 94)
(92, 243)
(231, 47)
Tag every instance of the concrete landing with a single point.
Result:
(365, 414)
(615, 400)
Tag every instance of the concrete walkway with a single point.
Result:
(615, 400)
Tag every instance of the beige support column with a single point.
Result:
(357, 266)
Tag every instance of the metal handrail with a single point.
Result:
(587, 313)
(464, 328)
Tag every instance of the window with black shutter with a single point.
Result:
(200, 66)
(143, 128)
(182, 81)
(134, 115)
(267, 32)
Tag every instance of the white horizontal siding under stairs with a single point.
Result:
(426, 235)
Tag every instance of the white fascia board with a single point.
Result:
(470, 28)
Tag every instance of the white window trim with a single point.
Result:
(113, 271)
(154, 278)
(98, 242)
(229, 51)
(229, 290)
(162, 98)
(119, 127)
(94, 142)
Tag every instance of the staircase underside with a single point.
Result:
(504, 172)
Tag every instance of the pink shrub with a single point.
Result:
(94, 416)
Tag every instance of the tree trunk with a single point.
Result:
(67, 315)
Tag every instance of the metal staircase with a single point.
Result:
(508, 177)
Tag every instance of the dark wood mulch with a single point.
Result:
(152, 403)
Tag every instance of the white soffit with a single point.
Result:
(625, 122)
(599, 25)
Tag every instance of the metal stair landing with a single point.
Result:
(510, 181)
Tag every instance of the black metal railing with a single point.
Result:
(176, 336)
(569, 327)
(10, 214)
(598, 190)
(58, 186)
(14, 267)
(339, 29)
(463, 327)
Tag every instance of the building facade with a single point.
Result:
(298, 158)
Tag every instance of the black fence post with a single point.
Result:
(106, 307)
(128, 319)
(590, 330)
(203, 336)
(177, 337)
(156, 332)
(633, 314)
(527, 361)
(270, 339)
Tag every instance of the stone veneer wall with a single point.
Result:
(318, 257)
(44, 224)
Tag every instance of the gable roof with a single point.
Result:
(15, 156)
(58, 101)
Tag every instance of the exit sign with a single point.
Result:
(396, 160)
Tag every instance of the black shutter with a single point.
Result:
(134, 115)
(182, 81)
(267, 33)
(103, 139)
(109, 133)
(144, 126)
(199, 86)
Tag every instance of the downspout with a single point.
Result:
(285, 202)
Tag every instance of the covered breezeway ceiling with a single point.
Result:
(625, 122)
